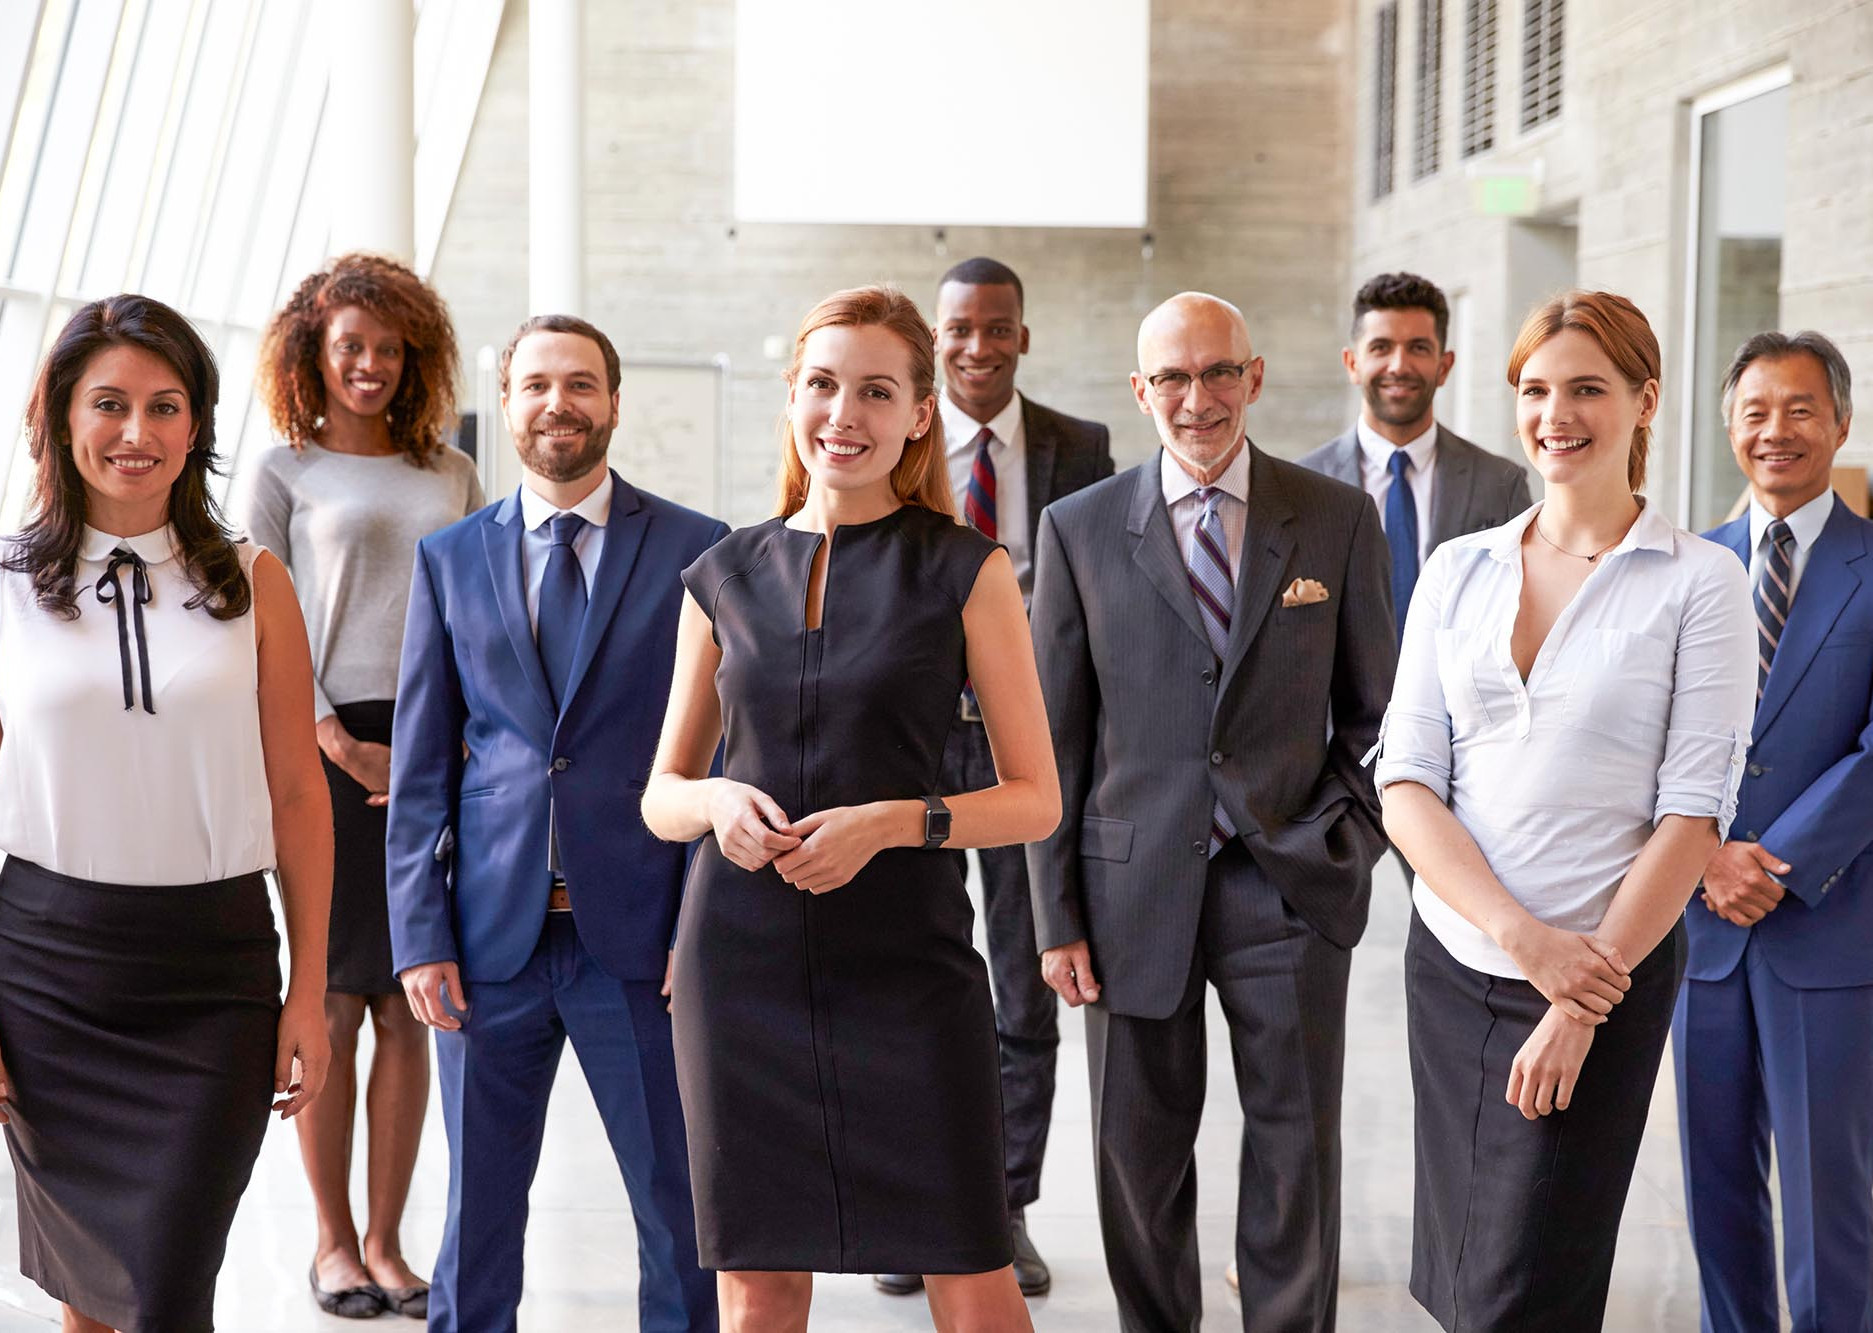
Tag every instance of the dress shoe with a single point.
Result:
(1031, 1273)
(898, 1284)
(1229, 1276)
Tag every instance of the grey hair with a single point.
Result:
(1778, 345)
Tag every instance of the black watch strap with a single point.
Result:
(936, 823)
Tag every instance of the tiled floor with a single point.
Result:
(580, 1247)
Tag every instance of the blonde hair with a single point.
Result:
(1621, 331)
(921, 476)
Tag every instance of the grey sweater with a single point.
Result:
(346, 527)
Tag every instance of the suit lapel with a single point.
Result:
(1040, 446)
(1827, 582)
(507, 568)
(1343, 460)
(624, 537)
(1455, 490)
(1154, 548)
(1266, 545)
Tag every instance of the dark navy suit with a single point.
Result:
(479, 751)
(1774, 1028)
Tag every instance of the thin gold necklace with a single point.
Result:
(1576, 554)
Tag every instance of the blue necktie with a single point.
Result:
(1214, 587)
(562, 605)
(1401, 534)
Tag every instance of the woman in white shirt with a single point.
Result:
(1560, 759)
(156, 755)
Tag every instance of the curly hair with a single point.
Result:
(289, 378)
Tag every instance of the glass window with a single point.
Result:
(1740, 159)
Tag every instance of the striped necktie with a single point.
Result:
(1211, 582)
(1772, 598)
(979, 497)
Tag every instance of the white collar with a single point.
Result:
(1651, 531)
(1806, 523)
(1378, 450)
(960, 429)
(595, 508)
(154, 547)
(1178, 483)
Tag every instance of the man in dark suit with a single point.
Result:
(1196, 620)
(1399, 359)
(536, 666)
(1009, 458)
(1773, 1034)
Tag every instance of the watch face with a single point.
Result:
(936, 825)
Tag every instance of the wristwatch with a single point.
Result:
(936, 823)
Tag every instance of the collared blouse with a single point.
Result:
(1638, 706)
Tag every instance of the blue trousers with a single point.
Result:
(1757, 1058)
(497, 1073)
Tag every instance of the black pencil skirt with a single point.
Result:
(1514, 1221)
(138, 1025)
(358, 959)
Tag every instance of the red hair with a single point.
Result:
(1620, 330)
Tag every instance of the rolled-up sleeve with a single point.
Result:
(1713, 698)
(1414, 738)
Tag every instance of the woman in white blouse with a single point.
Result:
(156, 755)
(1560, 759)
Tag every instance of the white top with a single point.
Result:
(536, 512)
(1638, 706)
(1180, 501)
(1804, 526)
(94, 790)
(1009, 452)
(1375, 474)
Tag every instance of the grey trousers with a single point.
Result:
(1283, 993)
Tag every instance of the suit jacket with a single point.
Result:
(478, 749)
(1148, 731)
(1064, 454)
(1807, 789)
(1475, 488)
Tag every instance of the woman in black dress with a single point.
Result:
(835, 1038)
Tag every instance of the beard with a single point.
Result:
(1402, 413)
(542, 458)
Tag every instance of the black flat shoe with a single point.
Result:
(898, 1284)
(1031, 1273)
(365, 1302)
(410, 1302)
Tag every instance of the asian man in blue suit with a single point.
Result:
(1773, 1035)
(528, 903)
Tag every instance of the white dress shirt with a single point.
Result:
(92, 789)
(1180, 501)
(1375, 474)
(1009, 452)
(1637, 706)
(536, 512)
(1804, 525)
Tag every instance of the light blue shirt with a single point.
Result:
(537, 544)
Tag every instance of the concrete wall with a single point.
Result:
(1615, 166)
(1250, 197)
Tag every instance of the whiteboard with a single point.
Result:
(943, 112)
(670, 434)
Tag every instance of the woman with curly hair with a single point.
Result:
(155, 759)
(358, 375)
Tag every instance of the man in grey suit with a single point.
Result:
(1399, 358)
(1009, 458)
(1196, 619)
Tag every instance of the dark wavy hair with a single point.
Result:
(47, 550)
(1403, 291)
(288, 378)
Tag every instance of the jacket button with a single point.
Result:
(1750, 836)
(561, 764)
(1200, 848)
(1755, 770)
(1216, 756)
(1209, 676)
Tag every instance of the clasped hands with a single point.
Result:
(819, 852)
(1739, 883)
(1582, 977)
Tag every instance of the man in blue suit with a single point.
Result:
(1773, 1035)
(528, 903)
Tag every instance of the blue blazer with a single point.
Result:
(478, 749)
(1807, 792)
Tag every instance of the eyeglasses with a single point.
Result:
(1223, 377)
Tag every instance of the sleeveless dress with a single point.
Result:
(836, 1052)
(139, 966)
